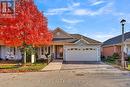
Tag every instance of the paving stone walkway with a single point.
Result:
(54, 65)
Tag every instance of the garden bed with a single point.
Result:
(15, 68)
(8, 62)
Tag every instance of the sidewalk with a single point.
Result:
(54, 65)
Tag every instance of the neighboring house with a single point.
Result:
(113, 45)
(69, 47)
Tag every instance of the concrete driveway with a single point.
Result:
(92, 67)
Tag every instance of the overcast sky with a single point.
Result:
(98, 19)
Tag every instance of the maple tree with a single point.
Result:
(28, 27)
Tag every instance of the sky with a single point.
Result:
(97, 19)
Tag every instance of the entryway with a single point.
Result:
(59, 51)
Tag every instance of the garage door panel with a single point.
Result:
(81, 54)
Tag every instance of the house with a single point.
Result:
(113, 45)
(69, 47)
(72, 47)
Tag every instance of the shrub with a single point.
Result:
(112, 59)
(115, 56)
(129, 58)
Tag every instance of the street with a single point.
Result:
(66, 78)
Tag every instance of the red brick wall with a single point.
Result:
(108, 51)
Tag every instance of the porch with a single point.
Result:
(127, 46)
(127, 49)
(53, 51)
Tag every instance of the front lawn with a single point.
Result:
(5, 68)
(129, 67)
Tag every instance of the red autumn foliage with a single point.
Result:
(29, 26)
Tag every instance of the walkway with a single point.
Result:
(54, 65)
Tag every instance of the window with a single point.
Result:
(68, 49)
(75, 49)
(42, 50)
(71, 49)
(87, 49)
(94, 49)
(91, 48)
(49, 48)
(45, 50)
(13, 50)
(58, 33)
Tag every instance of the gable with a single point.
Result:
(81, 42)
(59, 33)
(86, 39)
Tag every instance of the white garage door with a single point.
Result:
(82, 54)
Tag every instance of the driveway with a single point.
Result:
(92, 67)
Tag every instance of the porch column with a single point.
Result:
(53, 50)
(114, 49)
(125, 48)
(39, 52)
(32, 58)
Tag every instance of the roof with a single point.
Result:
(89, 40)
(116, 40)
(70, 38)
(65, 40)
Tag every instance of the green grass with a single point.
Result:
(8, 66)
(25, 68)
(129, 67)
(33, 67)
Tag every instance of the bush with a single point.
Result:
(40, 60)
(129, 58)
(116, 56)
(112, 59)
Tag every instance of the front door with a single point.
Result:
(59, 51)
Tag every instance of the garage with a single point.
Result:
(82, 53)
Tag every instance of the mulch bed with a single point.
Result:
(15, 71)
(12, 71)
(8, 62)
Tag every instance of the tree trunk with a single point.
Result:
(24, 57)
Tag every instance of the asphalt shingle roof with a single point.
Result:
(71, 38)
(75, 38)
(89, 40)
(116, 40)
(65, 40)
